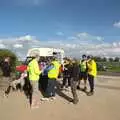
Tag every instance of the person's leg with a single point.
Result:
(28, 89)
(85, 84)
(46, 83)
(49, 88)
(49, 91)
(91, 83)
(73, 89)
(85, 81)
(35, 94)
(64, 81)
(79, 81)
(69, 82)
(53, 87)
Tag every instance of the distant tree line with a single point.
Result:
(104, 59)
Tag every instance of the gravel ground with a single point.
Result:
(104, 105)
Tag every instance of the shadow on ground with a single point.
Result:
(61, 94)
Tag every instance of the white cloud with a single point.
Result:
(86, 36)
(18, 46)
(72, 38)
(116, 50)
(60, 33)
(115, 44)
(99, 38)
(85, 43)
(26, 38)
(2, 46)
(73, 48)
(117, 24)
(68, 45)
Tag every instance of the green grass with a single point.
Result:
(111, 66)
(114, 69)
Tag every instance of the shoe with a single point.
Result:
(78, 87)
(53, 98)
(66, 86)
(44, 99)
(90, 93)
(34, 107)
(75, 102)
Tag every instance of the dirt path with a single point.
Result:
(104, 105)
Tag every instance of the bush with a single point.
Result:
(7, 53)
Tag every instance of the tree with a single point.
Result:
(104, 59)
(111, 59)
(7, 53)
(116, 59)
(98, 59)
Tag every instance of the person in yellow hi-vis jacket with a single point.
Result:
(92, 72)
(53, 72)
(34, 73)
(83, 73)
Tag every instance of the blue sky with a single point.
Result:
(68, 16)
(60, 19)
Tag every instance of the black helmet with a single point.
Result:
(89, 57)
(84, 56)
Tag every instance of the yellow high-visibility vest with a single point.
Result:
(92, 68)
(33, 70)
(54, 72)
(83, 66)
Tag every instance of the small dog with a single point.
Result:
(20, 81)
(17, 84)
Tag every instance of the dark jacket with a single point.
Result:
(75, 71)
(6, 69)
(67, 70)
